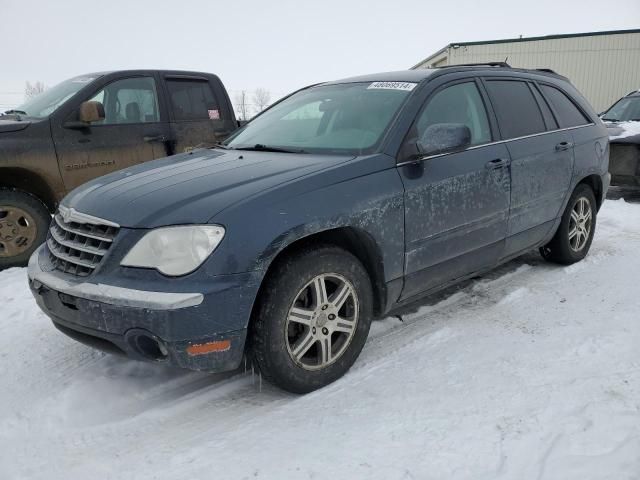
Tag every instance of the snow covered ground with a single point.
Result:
(531, 372)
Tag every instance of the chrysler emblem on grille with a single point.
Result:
(66, 215)
(70, 214)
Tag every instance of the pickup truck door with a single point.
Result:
(199, 111)
(133, 131)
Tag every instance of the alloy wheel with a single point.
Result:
(580, 224)
(322, 321)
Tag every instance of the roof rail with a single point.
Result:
(483, 64)
(547, 70)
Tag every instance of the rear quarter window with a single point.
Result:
(566, 111)
(192, 100)
(516, 108)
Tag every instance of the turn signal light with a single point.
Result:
(209, 347)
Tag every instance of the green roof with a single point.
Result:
(530, 39)
(548, 37)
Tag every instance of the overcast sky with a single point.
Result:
(278, 45)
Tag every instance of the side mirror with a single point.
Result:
(91, 112)
(444, 137)
(87, 113)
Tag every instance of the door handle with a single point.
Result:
(497, 163)
(563, 146)
(155, 138)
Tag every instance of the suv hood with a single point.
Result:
(624, 132)
(11, 125)
(190, 188)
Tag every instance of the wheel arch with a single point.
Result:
(595, 182)
(29, 182)
(353, 240)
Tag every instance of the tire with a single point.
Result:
(571, 245)
(287, 345)
(24, 221)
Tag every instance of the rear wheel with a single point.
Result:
(24, 221)
(313, 319)
(572, 241)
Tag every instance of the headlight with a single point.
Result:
(175, 251)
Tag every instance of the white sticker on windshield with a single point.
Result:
(406, 86)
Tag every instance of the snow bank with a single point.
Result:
(529, 372)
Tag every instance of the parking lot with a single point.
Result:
(528, 372)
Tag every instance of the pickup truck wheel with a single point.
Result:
(312, 320)
(573, 239)
(23, 227)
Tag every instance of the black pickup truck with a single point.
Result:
(92, 125)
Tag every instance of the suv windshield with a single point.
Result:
(624, 110)
(48, 101)
(348, 118)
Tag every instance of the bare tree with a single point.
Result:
(241, 104)
(33, 89)
(261, 99)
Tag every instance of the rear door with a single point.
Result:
(586, 135)
(456, 203)
(541, 160)
(198, 111)
(133, 131)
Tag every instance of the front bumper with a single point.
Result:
(198, 331)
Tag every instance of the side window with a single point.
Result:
(460, 103)
(568, 114)
(131, 100)
(192, 100)
(546, 111)
(516, 108)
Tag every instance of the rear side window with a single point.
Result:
(568, 114)
(516, 108)
(192, 100)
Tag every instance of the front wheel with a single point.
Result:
(572, 241)
(312, 320)
(24, 221)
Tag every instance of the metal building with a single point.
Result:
(604, 66)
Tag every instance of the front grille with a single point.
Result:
(78, 248)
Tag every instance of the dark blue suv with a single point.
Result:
(338, 204)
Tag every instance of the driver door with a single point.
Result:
(456, 203)
(132, 132)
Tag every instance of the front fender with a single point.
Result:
(259, 230)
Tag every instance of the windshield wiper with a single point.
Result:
(605, 119)
(223, 147)
(21, 112)
(259, 147)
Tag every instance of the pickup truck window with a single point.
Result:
(348, 118)
(192, 100)
(131, 100)
(48, 101)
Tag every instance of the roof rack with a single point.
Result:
(547, 70)
(483, 64)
